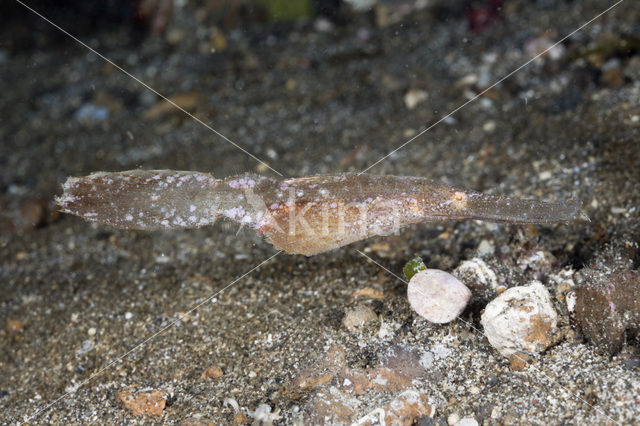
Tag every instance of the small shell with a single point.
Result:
(437, 296)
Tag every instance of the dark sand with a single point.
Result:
(75, 295)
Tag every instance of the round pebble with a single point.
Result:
(437, 296)
(522, 319)
(467, 421)
(358, 317)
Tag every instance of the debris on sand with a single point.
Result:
(143, 401)
(606, 307)
(358, 317)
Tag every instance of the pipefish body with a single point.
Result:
(307, 215)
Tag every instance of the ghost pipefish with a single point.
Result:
(307, 215)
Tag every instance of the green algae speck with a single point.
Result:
(413, 266)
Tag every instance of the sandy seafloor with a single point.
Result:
(74, 295)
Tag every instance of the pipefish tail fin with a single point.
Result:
(141, 199)
(497, 208)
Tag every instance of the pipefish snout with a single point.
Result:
(307, 215)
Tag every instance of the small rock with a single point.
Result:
(183, 316)
(612, 74)
(14, 326)
(607, 307)
(358, 382)
(437, 296)
(19, 216)
(33, 213)
(522, 319)
(477, 274)
(91, 113)
(453, 418)
(358, 316)
(21, 255)
(143, 402)
(213, 372)
(323, 25)
(87, 346)
(486, 248)
(489, 126)
(519, 361)
(545, 46)
(231, 402)
(564, 283)
(545, 175)
(483, 412)
(467, 80)
(632, 70)
(632, 364)
(308, 380)
(535, 260)
(406, 408)
(263, 415)
(467, 421)
(241, 419)
(414, 97)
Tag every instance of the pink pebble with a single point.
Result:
(437, 296)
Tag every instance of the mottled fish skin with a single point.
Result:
(307, 215)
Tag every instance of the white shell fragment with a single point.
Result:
(521, 319)
(437, 296)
